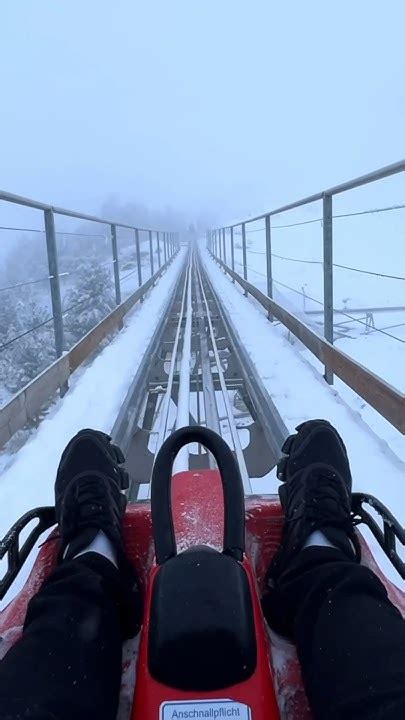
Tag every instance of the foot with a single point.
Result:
(315, 494)
(89, 497)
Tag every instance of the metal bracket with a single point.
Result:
(392, 530)
(16, 553)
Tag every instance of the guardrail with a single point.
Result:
(170, 246)
(26, 404)
(388, 401)
(217, 246)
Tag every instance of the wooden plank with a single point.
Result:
(12, 408)
(18, 421)
(45, 385)
(26, 404)
(384, 398)
(4, 435)
(81, 351)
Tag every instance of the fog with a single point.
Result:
(215, 108)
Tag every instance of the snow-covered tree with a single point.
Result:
(88, 302)
(23, 359)
(85, 264)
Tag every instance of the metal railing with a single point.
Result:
(378, 393)
(216, 242)
(169, 240)
(24, 407)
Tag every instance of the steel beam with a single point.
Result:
(52, 254)
(138, 259)
(116, 265)
(328, 276)
(269, 262)
(152, 265)
(244, 253)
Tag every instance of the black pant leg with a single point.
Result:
(350, 638)
(67, 665)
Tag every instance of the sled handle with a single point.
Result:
(18, 551)
(161, 505)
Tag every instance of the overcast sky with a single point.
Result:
(234, 106)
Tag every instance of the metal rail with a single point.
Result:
(208, 389)
(163, 429)
(269, 418)
(183, 403)
(25, 406)
(170, 239)
(384, 398)
(216, 239)
(232, 425)
(373, 176)
(192, 374)
(38, 205)
(126, 421)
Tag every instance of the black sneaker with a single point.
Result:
(315, 494)
(89, 497)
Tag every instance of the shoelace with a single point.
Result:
(320, 495)
(91, 501)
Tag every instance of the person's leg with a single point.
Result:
(350, 639)
(68, 662)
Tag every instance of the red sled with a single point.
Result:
(202, 550)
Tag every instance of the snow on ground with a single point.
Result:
(300, 393)
(94, 400)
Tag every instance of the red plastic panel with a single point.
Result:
(197, 506)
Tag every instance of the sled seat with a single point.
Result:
(202, 633)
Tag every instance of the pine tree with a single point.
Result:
(26, 357)
(88, 302)
(24, 308)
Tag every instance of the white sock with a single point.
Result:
(103, 546)
(319, 539)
